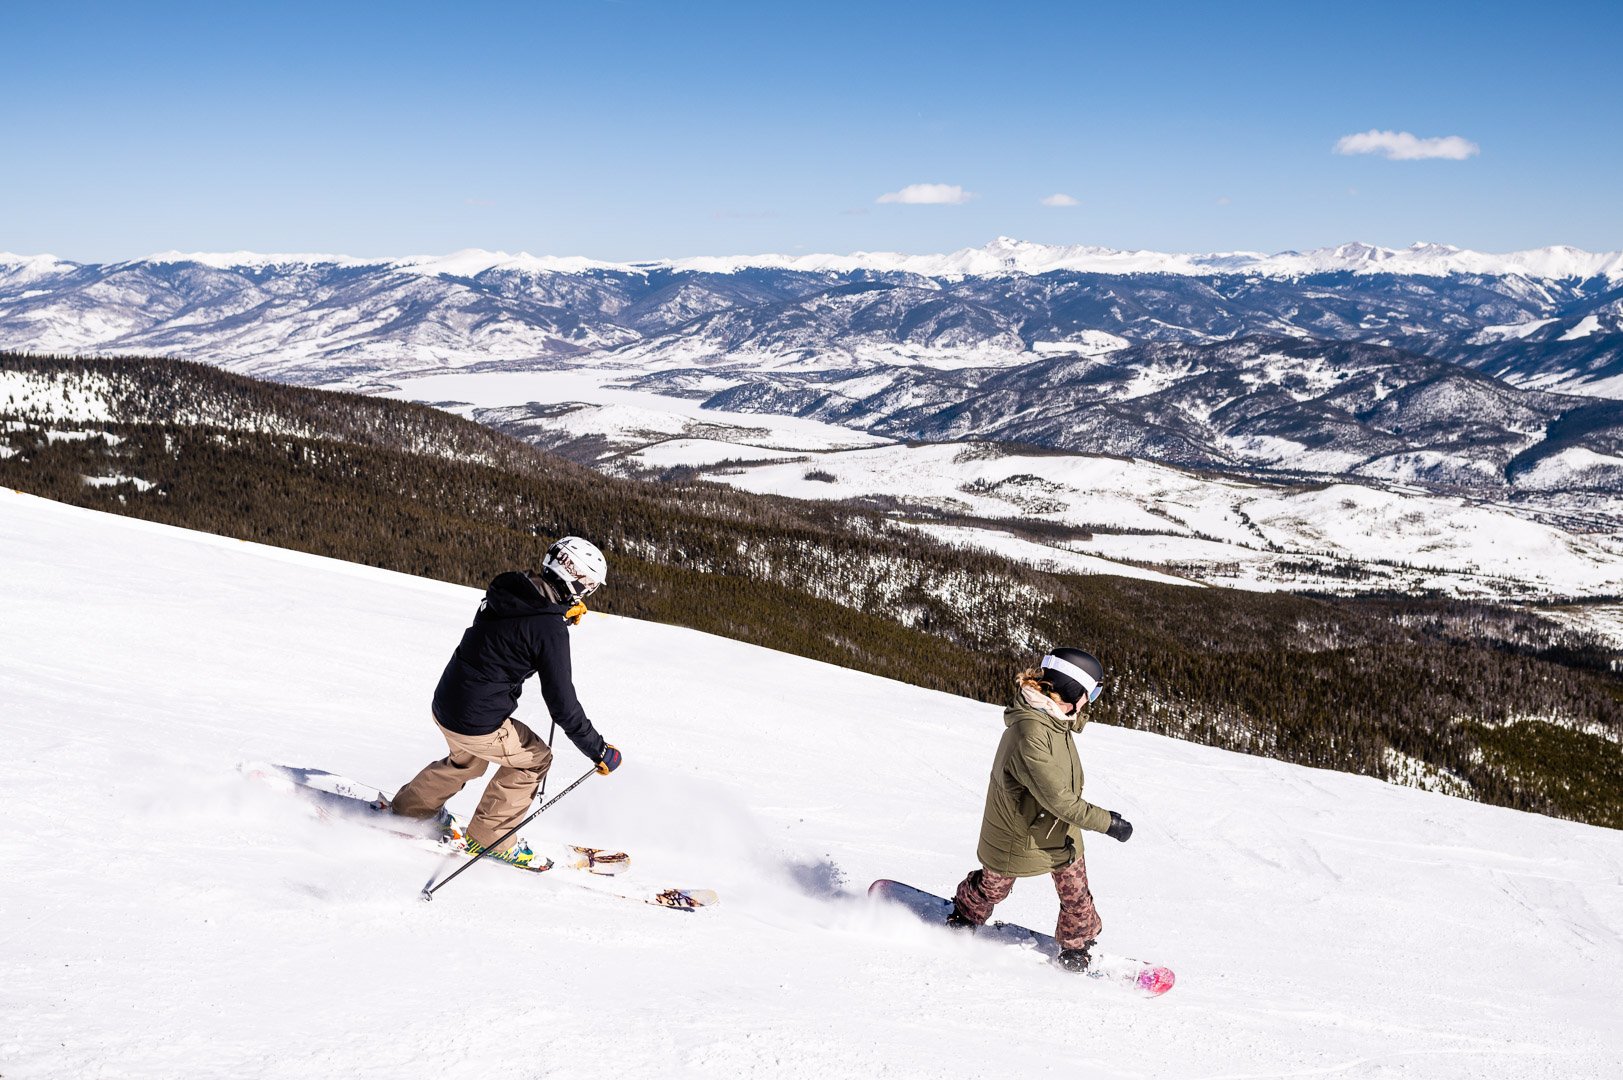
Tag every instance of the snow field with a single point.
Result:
(83, 401)
(615, 410)
(1589, 324)
(1228, 528)
(1043, 555)
(161, 917)
(1562, 468)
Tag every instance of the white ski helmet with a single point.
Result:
(576, 565)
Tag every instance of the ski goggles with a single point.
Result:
(583, 585)
(1091, 687)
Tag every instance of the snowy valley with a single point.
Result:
(1383, 409)
(1115, 515)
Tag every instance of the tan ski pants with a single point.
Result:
(523, 759)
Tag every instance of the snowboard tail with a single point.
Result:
(1152, 980)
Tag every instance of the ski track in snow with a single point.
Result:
(163, 918)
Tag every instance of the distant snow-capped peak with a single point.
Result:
(1003, 256)
(17, 269)
(1006, 255)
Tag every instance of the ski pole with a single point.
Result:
(428, 892)
(551, 731)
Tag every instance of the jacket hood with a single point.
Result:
(514, 595)
(1021, 711)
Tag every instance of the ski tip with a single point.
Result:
(686, 899)
(600, 862)
(880, 887)
(1155, 981)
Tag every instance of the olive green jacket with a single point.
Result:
(1035, 812)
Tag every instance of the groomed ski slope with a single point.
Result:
(160, 917)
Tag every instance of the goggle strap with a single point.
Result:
(1093, 686)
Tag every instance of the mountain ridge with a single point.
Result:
(1001, 255)
(1306, 408)
(764, 339)
(327, 322)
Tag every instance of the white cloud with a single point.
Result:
(1059, 198)
(1223, 200)
(923, 194)
(1402, 146)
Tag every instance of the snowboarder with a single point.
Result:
(521, 629)
(1035, 812)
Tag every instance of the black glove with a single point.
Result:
(609, 761)
(1120, 827)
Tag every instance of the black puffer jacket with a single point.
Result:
(518, 631)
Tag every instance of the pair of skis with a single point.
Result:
(334, 797)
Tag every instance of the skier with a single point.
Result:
(1035, 812)
(521, 629)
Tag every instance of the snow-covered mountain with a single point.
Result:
(1576, 352)
(1238, 361)
(181, 923)
(1554, 535)
(1279, 406)
(1002, 256)
(1008, 256)
(303, 316)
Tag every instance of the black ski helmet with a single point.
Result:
(1074, 674)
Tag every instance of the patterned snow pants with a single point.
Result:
(1078, 923)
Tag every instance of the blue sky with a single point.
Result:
(642, 129)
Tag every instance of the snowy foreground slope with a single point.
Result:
(159, 917)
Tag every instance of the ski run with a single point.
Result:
(161, 917)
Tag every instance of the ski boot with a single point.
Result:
(1076, 960)
(957, 920)
(444, 826)
(451, 830)
(518, 853)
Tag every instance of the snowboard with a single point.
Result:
(1151, 980)
(335, 797)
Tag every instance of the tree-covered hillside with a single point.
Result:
(1386, 689)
